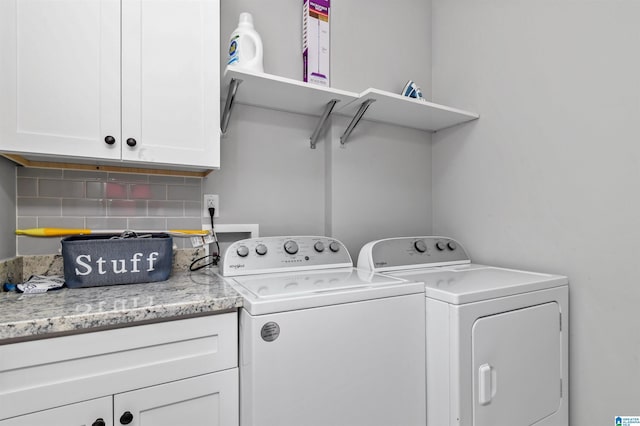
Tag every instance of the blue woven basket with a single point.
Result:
(100, 260)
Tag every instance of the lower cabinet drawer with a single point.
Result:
(47, 373)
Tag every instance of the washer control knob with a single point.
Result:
(441, 245)
(452, 245)
(261, 249)
(291, 247)
(242, 251)
(319, 246)
(334, 247)
(420, 246)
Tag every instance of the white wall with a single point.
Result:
(548, 178)
(268, 173)
(7, 208)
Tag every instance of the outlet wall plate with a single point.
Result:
(211, 200)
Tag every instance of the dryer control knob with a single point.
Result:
(242, 251)
(334, 247)
(441, 245)
(420, 246)
(319, 246)
(261, 249)
(452, 245)
(291, 247)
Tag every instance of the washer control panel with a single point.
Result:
(284, 254)
(409, 252)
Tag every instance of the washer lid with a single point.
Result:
(279, 292)
(472, 283)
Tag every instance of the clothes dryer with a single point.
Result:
(496, 338)
(322, 343)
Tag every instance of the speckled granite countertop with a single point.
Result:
(25, 316)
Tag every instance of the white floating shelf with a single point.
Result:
(404, 111)
(284, 94)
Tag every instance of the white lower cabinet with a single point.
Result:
(182, 372)
(96, 412)
(209, 400)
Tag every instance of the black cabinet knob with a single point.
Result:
(99, 422)
(110, 140)
(126, 418)
(131, 142)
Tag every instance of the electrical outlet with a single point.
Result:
(211, 200)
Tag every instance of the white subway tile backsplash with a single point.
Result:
(127, 177)
(193, 209)
(183, 223)
(146, 191)
(83, 207)
(83, 175)
(183, 192)
(101, 200)
(147, 223)
(128, 208)
(193, 181)
(37, 245)
(175, 180)
(60, 222)
(107, 190)
(112, 223)
(166, 208)
(30, 206)
(26, 222)
(39, 173)
(27, 187)
(60, 188)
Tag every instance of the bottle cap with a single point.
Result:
(246, 19)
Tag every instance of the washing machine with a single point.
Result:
(322, 343)
(497, 338)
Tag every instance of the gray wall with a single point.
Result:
(7, 208)
(271, 177)
(548, 178)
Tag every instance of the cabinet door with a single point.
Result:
(60, 77)
(85, 413)
(208, 400)
(170, 81)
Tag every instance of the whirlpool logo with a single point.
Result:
(237, 266)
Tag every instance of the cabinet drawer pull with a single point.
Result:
(131, 142)
(110, 140)
(126, 418)
(99, 422)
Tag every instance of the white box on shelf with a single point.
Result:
(315, 41)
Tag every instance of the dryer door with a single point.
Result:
(517, 366)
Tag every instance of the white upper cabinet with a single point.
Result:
(104, 81)
(171, 81)
(60, 77)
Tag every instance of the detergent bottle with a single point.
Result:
(245, 46)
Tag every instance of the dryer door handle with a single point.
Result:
(486, 384)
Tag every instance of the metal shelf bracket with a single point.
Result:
(228, 105)
(356, 119)
(325, 115)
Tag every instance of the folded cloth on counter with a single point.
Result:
(40, 284)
